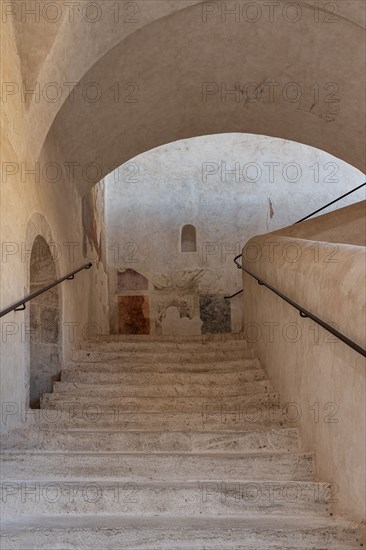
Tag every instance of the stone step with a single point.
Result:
(237, 498)
(260, 532)
(140, 467)
(203, 356)
(206, 405)
(94, 418)
(208, 368)
(92, 376)
(148, 338)
(283, 439)
(201, 344)
(210, 389)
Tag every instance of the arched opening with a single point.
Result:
(45, 323)
(188, 241)
(249, 95)
(233, 186)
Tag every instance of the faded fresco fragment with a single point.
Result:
(94, 224)
(129, 279)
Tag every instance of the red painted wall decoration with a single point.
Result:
(133, 315)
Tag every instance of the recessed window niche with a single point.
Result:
(188, 239)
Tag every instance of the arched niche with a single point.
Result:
(45, 342)
(188, 241)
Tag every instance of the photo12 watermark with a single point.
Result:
(72, 11)
(269, 172)
(267, 11)
(70, 92)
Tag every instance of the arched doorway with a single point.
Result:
(45, 323)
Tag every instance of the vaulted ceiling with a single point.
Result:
(163, 76)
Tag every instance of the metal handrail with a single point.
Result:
(302, 220)
(233, 295)
(330, 203)
(305, 313)
(239, 266)
(20, 305)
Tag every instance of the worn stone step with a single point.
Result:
(260, 532)
(139, 467)
(283, 439)
(179, 356)
(159, 404)
(208, 368)
(210, 389)
(209, 498)
(182, 338)
(200, 344)
(82, 374)
(93, 417)
(110, 337)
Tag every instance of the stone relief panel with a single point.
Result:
(178, 290)
(179, 280)
(187, 306)
(175, 325)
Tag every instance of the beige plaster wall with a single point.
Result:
(322, 378)
(32, 205)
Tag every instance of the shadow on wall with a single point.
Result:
(45, 323)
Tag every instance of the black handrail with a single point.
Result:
(330, 203)
(20, 305)
(239, 266)
(302, 220)
(233, 295)
(305, 313)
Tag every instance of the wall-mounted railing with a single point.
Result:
(306, 218)
(304, 312)
(330, 203)
(21, 304)
(302, 220)
(233, 295)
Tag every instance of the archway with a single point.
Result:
(45, 323)
(232, 187)
(245, 88)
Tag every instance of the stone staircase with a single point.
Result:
(164, 444)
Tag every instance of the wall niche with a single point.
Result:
(188, 241)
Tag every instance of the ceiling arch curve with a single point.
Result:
(68, 48)
(179, 77)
